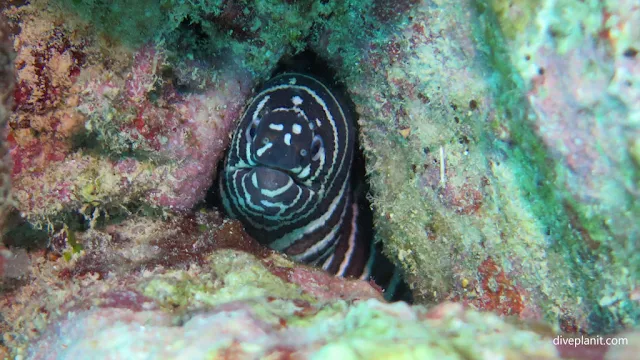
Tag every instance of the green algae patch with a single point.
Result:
(234, 276)
(415, 98)
(581, 184)
(564, 23)
(374, 331)
(515, 15)
(74, 247)
(244, 277)
(259, 32)
(375, 349)
(527, 194)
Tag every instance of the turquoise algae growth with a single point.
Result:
(575, 60)
(469, 192)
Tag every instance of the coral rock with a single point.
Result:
(100, 134)
(6, 91)
(138, 288)
(501, 148)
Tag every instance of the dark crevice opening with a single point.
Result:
(194, 39)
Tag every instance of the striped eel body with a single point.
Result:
(288, 178)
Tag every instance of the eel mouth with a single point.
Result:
(269, 178)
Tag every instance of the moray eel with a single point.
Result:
(287, 177)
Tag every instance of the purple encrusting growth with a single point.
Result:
(107, 128)
(159, 146)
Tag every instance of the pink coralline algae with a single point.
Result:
(160, 147)
(185, 131)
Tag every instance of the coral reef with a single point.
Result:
(424, 96)
(105, 136)
(500, 152)
(110, 122)
(576, 64)
(501, 140)
(198, 287)
(368, 329)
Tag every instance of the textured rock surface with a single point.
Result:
(500, 142)
(198, 287)
(502, 152)
(102, 130)
(6, 100)
(577, 64)
(125, 111)
(368, 329)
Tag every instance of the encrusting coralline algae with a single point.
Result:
(501, 147)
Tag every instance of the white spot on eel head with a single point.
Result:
(266, 147)
(297, 100)
(276, 127)
(297, 129)
(287, 139)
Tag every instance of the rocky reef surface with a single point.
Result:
(501, 144)
(197, 287)
(501, 140)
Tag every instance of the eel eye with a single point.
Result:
(252, 130)
(265, 140)
(317, 147)
(303, 152)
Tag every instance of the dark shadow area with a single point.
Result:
(22, 234)
(196, 40)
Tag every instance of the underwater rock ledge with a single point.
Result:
(577, 65)
(198, 287)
